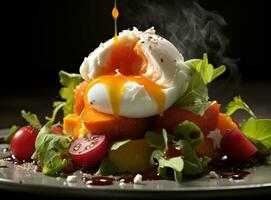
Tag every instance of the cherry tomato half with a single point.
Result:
(23, 143)
(89, 150)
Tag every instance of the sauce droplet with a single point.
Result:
(2, 140)
(115, 14)
(173, 151)
(148, 176)
(234, 174)
(230, 169)
(99, 180)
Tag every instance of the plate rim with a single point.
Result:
(102, 192)
(105, 192)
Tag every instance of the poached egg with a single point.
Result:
(140, 76)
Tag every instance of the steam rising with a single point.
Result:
(191, 28)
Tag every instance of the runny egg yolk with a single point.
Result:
(115, 14)
(115, 87)
(153, 89)
(126, 63)
(125, 58)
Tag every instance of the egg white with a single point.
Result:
(165, 67)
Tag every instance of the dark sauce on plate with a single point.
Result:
(2, 140)
(230, 169)
(127, 179)
(149, 176)
(235, 175)
(99, 180)
(224, 168)
(173, 151)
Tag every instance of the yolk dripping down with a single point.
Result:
(153, 89)
(125, 64)
(115, 87)
(115, 14)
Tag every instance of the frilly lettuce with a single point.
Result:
(52, 150)
(187, 136)
(196, 97)
(32, 119)
(207, 71)
(69, 82)
(238, 104)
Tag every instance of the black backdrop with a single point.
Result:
(45, 36)
(41, 37)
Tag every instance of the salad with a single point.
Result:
(138, 108)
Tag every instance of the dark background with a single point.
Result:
(42, 37)
(38, 38)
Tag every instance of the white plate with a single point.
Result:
(20, 178)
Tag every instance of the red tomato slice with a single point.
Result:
(236, 145)
(89, 150)
(173, 116)
(23, 143)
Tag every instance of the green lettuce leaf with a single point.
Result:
(32, 119)
(192, 164)
(158, 141)
(107, 168)
(196, 97)
(175, 163)
(188, 162)
(165, 138)
(52, 150)
(207, 71)
(57, 106)
(118, 144)
(154, 140)
(259, 131)
(190, 132)
(69, 82)
(11, 132)
(238, 104)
